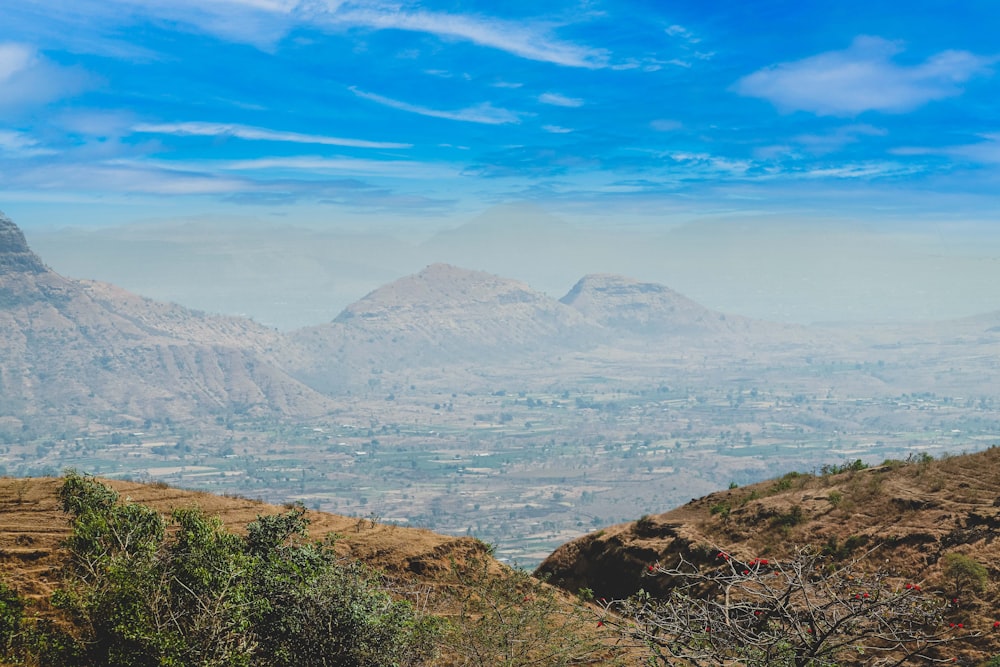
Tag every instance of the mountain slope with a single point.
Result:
(70, 347)
(647, 309)
(905, 516)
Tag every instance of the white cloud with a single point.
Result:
(120, 177)
(27, 79)
(256, 134)
(390, 168)
(13, 59)
(19, 144)
(556, 129)
(983, 152)
(862, 78)
(525, 41)
(683, 33)
(264, 23)
(558, 100)
(820, 144)
(481, 113)
(863, 170)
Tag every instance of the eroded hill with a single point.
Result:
(903, 516)
(73, 347)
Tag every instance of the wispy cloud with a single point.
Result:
(838, 138)
(484, 113)
(556, 129)
(19, 144)
(862, 170)
(120, 177)
(558, 100)
(527, 41)
(391, 168)
(28, 79)
(681, 32)
(862, 78)
(982, 152)
(257, 134)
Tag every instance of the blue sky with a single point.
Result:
(423, 114)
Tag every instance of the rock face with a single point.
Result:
(646, 309)
(71, 347)
(14, 252)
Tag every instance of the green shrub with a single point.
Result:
(139, 595)
(11, 617)
(965, 573)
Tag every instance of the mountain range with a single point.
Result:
(78, 347)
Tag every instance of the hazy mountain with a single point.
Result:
(72, 347)
(647, 309)
(443, 315)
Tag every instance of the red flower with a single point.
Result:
(960, 625)
(909, 586)
(745, 572)
(951, 625)
(600, 624)
(996, 624)
(915, 587)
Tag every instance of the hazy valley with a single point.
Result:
(470, 403)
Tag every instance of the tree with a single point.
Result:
(965, 573)
(801, 612)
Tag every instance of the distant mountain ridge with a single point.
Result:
(82, 347)
(71, 347)
(647, 309)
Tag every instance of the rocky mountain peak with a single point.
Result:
(15, 255)
(645, 308)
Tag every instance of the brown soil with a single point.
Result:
(904, 517)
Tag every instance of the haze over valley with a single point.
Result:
(471, 403)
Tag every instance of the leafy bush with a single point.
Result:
(11, 617)
(138, 595)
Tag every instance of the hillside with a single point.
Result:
(904, 516)
(32, 527)
(73, 347)
(447, 577)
